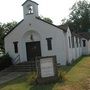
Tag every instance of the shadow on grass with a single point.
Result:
(68, 67)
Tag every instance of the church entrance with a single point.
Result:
(33, 50)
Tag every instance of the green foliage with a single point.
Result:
(31, 78)
(79, 18)
(48, 20)
(4, 29)
(67, 63)
(61, 76)
(9, 26)
(5, 61)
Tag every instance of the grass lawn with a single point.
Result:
(77, 77)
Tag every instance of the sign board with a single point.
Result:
(46, 69)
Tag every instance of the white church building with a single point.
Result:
(33, 37)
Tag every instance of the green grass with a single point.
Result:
(17, 84)
(76, 76)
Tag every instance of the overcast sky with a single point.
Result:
(55, 9)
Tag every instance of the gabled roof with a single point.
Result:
(64, 27)
(30, 1)
(14, 28)
(85, 35)
(76, 34)
(47, 22)
(36, 18)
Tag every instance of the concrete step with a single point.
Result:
(21, 67)
(15, 71)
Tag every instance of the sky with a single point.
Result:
(12, 10)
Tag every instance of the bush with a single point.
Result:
(61, 76)
(5, 61)
(68, 63)
(31, 78)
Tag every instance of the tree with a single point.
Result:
(48, 20)
(79, 18)
(4, 29)
(9, 26)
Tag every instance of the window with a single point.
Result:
(84, 43)
(69, 42)
(80, 42)
(73, 42)
(76, 41)
(15, 47)
(49, 43)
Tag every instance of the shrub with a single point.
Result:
(61, 76)
(32, 77)
(72, 61)
(68, 63)
(5, 61)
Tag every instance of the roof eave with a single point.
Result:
(30, 1)
(48, 22)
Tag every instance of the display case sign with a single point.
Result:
(46, 69)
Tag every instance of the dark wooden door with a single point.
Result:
(33, 49)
